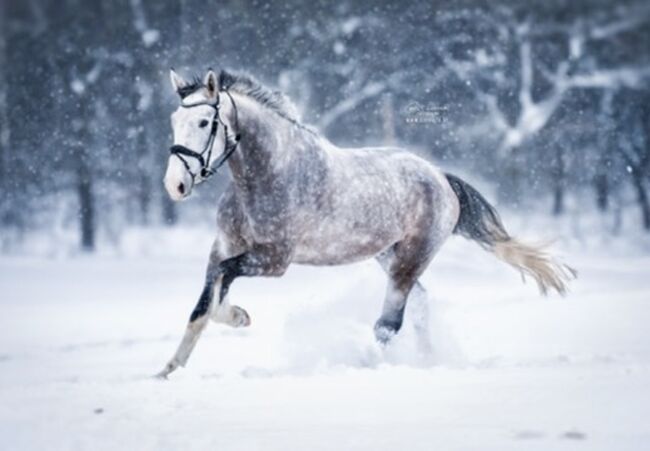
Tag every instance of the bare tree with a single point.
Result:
(79, 85)
(576, 70)
(633, 144)
(5, 130)
(543, 84)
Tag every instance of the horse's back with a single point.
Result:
(386, 160)
(375, 198)
(422, 187)
(393, 172)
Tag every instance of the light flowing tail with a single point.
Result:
(479, 221)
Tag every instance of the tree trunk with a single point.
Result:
(606, 143)
(642, 198)
(558, 200)
(86, 205)
(509, 190)
(144, 198)
(143, 181)
(170, 214)
(644, 151)
(601, 185)
(5, 134)
(388, 119)
(558, 189)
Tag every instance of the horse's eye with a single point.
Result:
(203, 123)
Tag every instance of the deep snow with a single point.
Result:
(80, 338)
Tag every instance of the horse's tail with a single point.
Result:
(479, 221)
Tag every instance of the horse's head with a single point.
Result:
(198, 137)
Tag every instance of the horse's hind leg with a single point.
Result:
(419, 307)
(419, 304)
(404, 262)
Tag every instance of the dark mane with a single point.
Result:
(191, 87)
(247, 85)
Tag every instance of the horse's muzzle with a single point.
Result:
(178, 182)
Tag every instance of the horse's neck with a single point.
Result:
(267, 143)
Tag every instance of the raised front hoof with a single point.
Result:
(239, 317)
(385, 330)
(169, 368)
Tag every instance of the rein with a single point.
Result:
(230, 143)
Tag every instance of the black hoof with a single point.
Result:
(385, 330)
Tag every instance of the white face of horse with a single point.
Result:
(191, 129)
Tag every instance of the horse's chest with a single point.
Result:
(267, 215)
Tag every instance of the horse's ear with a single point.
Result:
(177, 81)
(210, 82)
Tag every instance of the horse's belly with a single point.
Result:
(335, 254)
(343, 247)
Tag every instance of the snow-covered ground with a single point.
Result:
(81, 337)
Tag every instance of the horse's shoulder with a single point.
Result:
(228, 208)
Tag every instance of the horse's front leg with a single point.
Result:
(200, 314)
(261, 260)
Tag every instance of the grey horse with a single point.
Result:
(294, 197)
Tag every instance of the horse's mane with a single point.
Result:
(190, 86)
(245, 84)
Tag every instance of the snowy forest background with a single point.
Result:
(544, 106)
(547, 101)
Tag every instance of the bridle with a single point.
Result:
(230, 143)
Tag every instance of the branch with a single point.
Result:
(525, 90)
(39, 25)
(498, 118)
(633, 19)
(148, 35)
(629, 77)
(78, 84)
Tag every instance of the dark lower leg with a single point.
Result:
(392, 316)
(403, 264)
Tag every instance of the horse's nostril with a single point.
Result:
(181, 188)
